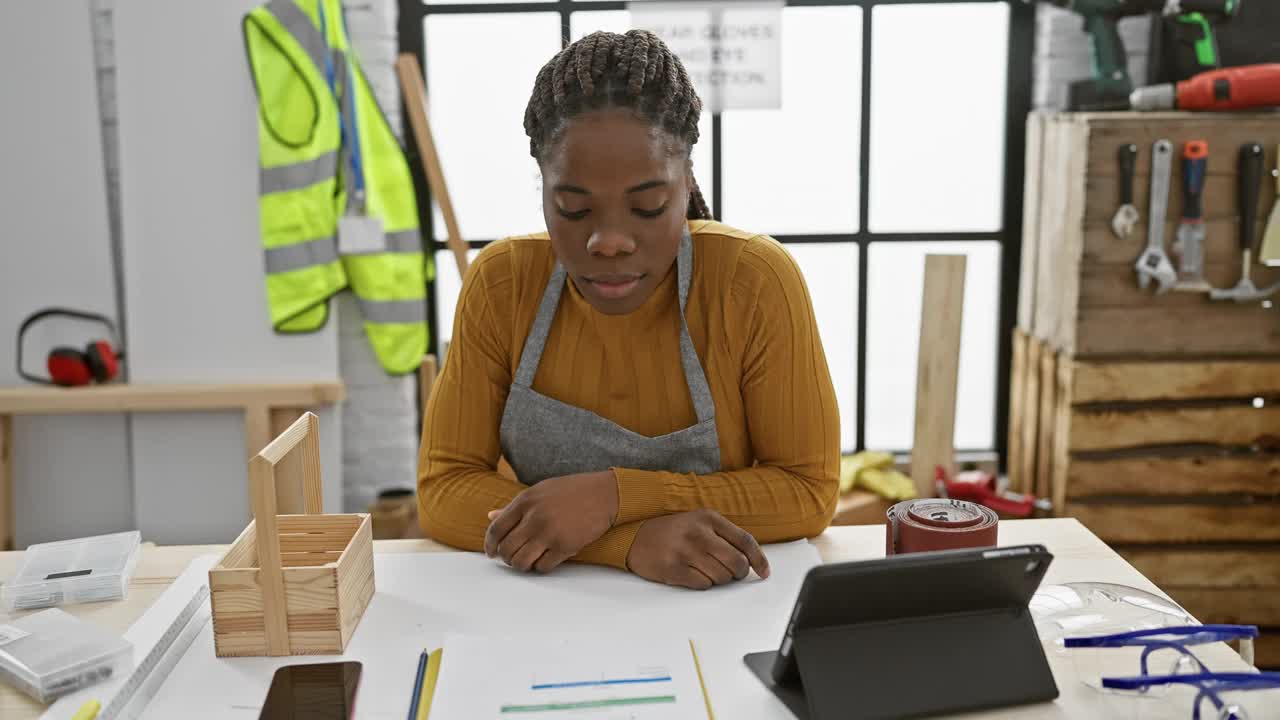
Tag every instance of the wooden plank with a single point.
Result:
(1185, 474)
(937, 369)
(1032, 184)
(1238, 425)
(1061, 464)
(289, 498)
(1218, 199)
(1225, 133)
(316, 590)
(413, 86)
(1098, 382)
(115, 398)
(1070, 243)
(1221, 330)
(285, 442)
(6, 482)
(247, 578)
(1221, 243)
(313, 542)
(1215, 566)
(312, 491)
(1168, 523)
(252, 644)
(257, 428)
(262, 497)
(1266, 649)
(1236, 606)
(1048, 424)
(1017, 383)
(1030, 425)
(1117, 286)
(238, 622)
(340, 524)
(1053, 208)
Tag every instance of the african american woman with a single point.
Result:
(653, 379)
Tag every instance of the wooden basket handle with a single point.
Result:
(304, 431)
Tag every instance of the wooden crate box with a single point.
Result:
(1078, 288)
(292, 584)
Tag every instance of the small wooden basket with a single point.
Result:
(304, 590)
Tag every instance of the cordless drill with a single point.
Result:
(1110, 86)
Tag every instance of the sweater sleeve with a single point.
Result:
(458, 480)
(791, 415)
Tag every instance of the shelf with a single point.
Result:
(167, 398)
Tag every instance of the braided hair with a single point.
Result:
(606, 70)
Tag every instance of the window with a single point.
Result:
(899, 126)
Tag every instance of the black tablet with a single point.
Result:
(928, 612)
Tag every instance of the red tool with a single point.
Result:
(1236, 88)
(979, 487)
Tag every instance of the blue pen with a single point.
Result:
(417, 685)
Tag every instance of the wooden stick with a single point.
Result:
(262, 496)
(937, 369)
(289, 473)
(415, 97)
(257, 428)
(312, 491)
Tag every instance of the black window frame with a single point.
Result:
(1021, 38)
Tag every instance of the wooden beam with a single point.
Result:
(1017, 380)
(1139, 523)
(937, 368)
(1098, 382)
(6, 482)
(289, 492)
(1234, 606)
(1239, 425)
(1188, 474)
(1029, 425)
(414, 88)
(1214, 566)
(257, 428)
(1048, 417)
(166, 398)
(262, 498)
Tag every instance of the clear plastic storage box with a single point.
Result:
(73, 571)
(51, 653)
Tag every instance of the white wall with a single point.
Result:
(71, 474)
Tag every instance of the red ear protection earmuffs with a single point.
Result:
(99, 362)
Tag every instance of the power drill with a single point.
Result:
(1111, 85)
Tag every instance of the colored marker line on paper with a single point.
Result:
(588, 704)
(598, 683)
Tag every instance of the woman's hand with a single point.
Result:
(551, 521)
(695, 549)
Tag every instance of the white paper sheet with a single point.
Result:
(420, 599)
(615, 676)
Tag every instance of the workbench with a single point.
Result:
(1078, 556)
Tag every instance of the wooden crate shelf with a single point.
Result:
(1078, 291)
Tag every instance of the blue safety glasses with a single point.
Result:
(1166, 662)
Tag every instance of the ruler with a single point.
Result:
(144, 682)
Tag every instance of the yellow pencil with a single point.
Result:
(429, 684)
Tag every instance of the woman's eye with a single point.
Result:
(650, 213)
(572, 214)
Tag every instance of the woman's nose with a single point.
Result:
(611, 243)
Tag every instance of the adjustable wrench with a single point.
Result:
(1153, 264)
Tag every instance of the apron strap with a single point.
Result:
(531, 356)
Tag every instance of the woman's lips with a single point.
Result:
(613, 286)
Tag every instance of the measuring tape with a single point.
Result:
(145, 680)
(938, 524)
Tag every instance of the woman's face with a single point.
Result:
(615, 197)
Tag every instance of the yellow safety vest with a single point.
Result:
(325, 150)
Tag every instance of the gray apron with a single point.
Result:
(544, 438)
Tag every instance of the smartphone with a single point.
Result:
(325, 691)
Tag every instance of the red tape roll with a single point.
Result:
(938, 524)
